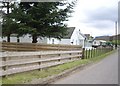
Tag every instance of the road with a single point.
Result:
(103, 72)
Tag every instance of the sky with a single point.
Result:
(95, 17)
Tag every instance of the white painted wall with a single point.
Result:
(65, 41)
(76, 38)
(1, 39)
(25, 39)
(52, 41)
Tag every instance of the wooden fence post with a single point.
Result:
(106, 50)
(16, 47)
(40, 62)
(96, 52)
(60, 55)
(83, 52)
(86, 53)
(5, 67)
(101, 51)
(91, 52)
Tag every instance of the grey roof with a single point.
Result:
(83, 35)
(87, 35)
(69, 32)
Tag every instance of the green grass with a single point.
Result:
(95, 52)
(36, 74)
(98, 58)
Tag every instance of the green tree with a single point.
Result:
(6, 23)
(43, 19)
(9, 24)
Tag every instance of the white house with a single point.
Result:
(74, 37)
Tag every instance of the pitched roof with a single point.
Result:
(82, 35)
(87, 35)
(69, 32)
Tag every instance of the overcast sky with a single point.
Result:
(95, 17)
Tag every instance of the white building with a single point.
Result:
(24, 39)
(74, 37)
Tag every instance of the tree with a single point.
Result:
(43, 19)
(5, 26)
(8, 24)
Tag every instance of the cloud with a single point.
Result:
(101, 18)
(101, 24)
(103, 14)
(95, 16)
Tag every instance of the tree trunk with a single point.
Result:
(18, 40)
(8, 38)
(34, 39)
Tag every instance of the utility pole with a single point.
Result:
(116, 35)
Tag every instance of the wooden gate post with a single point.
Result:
(83, 51)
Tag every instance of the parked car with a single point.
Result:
(97, 43)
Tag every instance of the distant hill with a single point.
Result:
(107, 38)
(114, 37)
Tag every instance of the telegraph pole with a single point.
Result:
(116, 35)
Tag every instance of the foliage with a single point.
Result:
(8, 25)
(39, 19)
(114, 42)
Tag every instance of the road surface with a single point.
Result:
(103, 72)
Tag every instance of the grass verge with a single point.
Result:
(36, 74)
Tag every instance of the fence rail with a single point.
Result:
(90, 53)
(16, 62)
(37, 47)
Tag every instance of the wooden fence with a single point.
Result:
(37, 47)
(16, 62)
(96, 52)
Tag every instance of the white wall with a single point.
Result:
(76, 38)
(52, 41)
(65, 41)
(1, 39)
(25, 39)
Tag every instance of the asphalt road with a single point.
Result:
(103, 72)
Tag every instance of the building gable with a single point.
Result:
(69, 33)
